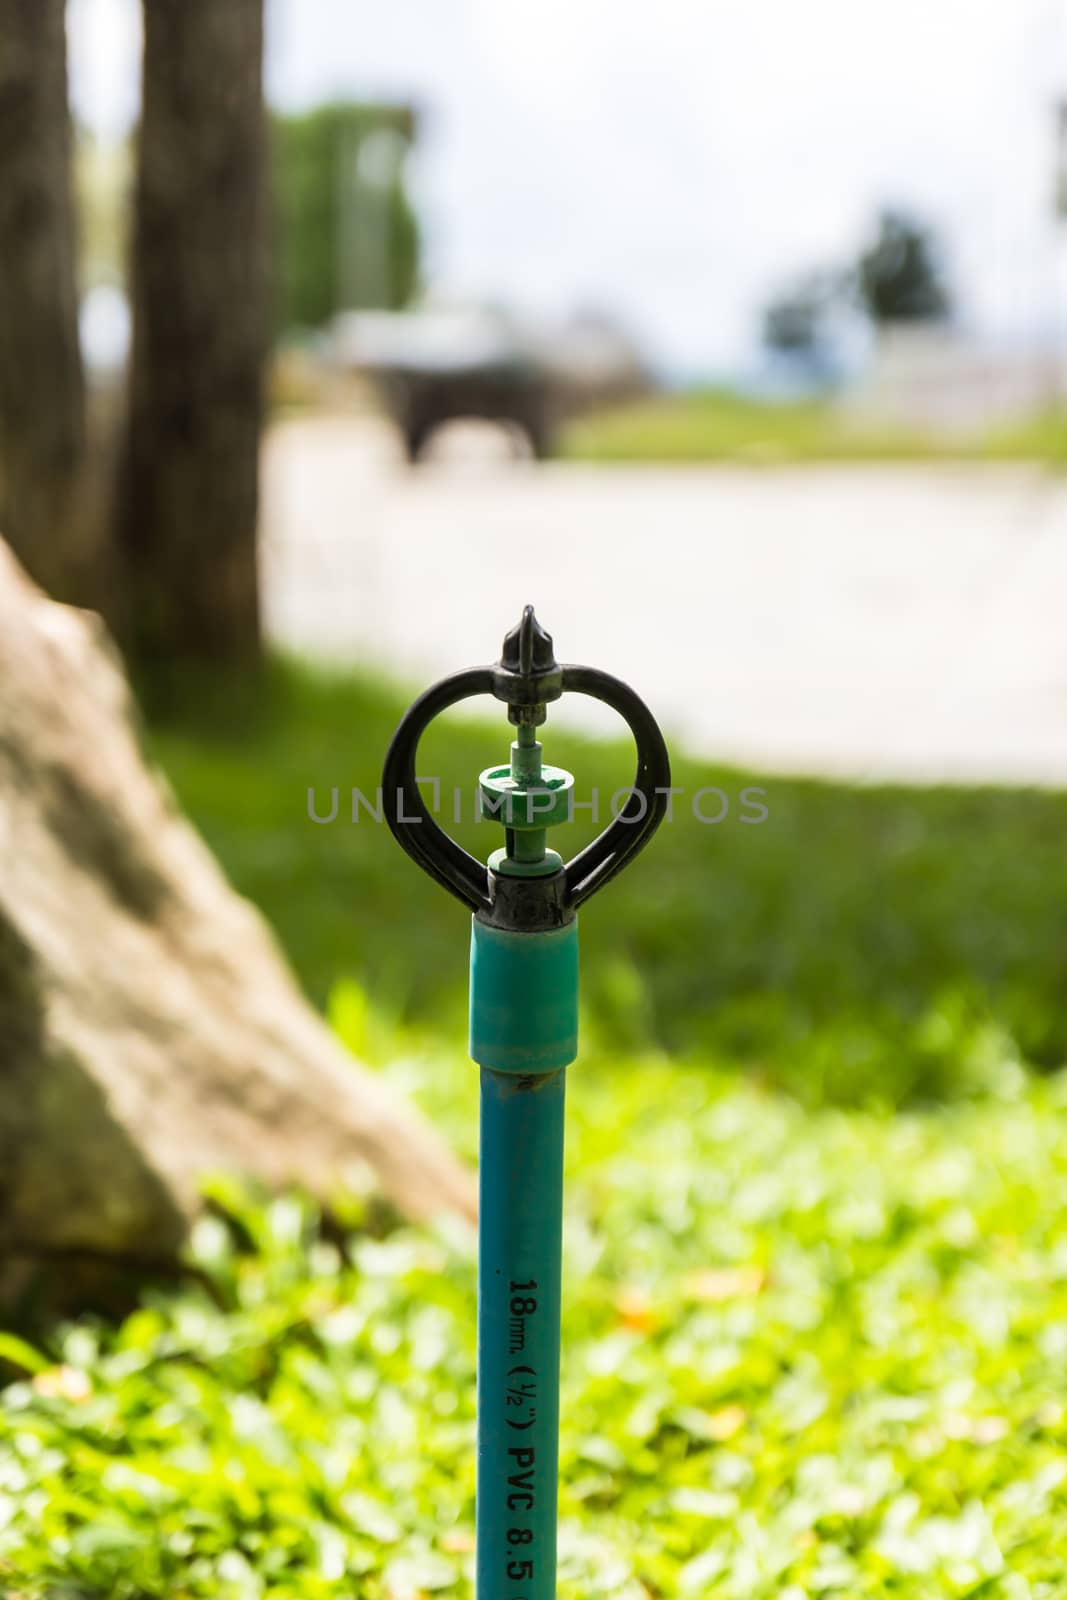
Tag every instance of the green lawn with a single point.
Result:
(813, 1346)
(859, 945)
(805, 1354)
(719, 425)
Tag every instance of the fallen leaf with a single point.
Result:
(725, 1423)
(458, 1541)
(66, 1383)
(636, 1310)
(710, 1285)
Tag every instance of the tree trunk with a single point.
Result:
(187, 526)
(150, 1032)
(42, 395)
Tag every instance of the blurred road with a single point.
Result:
(884, 622)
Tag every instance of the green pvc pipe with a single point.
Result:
(524, 1033)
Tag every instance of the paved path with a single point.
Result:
(901, 622)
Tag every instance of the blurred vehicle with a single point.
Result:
(437, 366)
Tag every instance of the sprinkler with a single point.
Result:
(523, 1036)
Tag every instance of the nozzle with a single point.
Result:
(527, 675)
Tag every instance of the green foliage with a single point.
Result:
(863, 944)
(806, 1352)
(899, 277)
(718, 425)
(803, 1354)
(347, 235)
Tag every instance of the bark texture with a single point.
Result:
(189, 495)
(149, 1029)
(42, 397)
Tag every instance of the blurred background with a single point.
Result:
(735, 340)
(759, 241)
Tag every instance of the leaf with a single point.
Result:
(21, 1354)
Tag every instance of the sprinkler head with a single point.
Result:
(526, 886)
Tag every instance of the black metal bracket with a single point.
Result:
(526, 678)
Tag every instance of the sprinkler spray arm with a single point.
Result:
(527, 678)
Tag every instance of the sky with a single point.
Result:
(676, 162)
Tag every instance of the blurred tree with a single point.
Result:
(793, 322)
(149, 1028)
(899, 277)
(189, 495)
(42, 390)
(347, 235)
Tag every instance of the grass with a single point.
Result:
(861, 944)
(703, 425)
(808, 1349)
(805, 1354)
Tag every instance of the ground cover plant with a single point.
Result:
(816, 1250)
(805, 1353)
